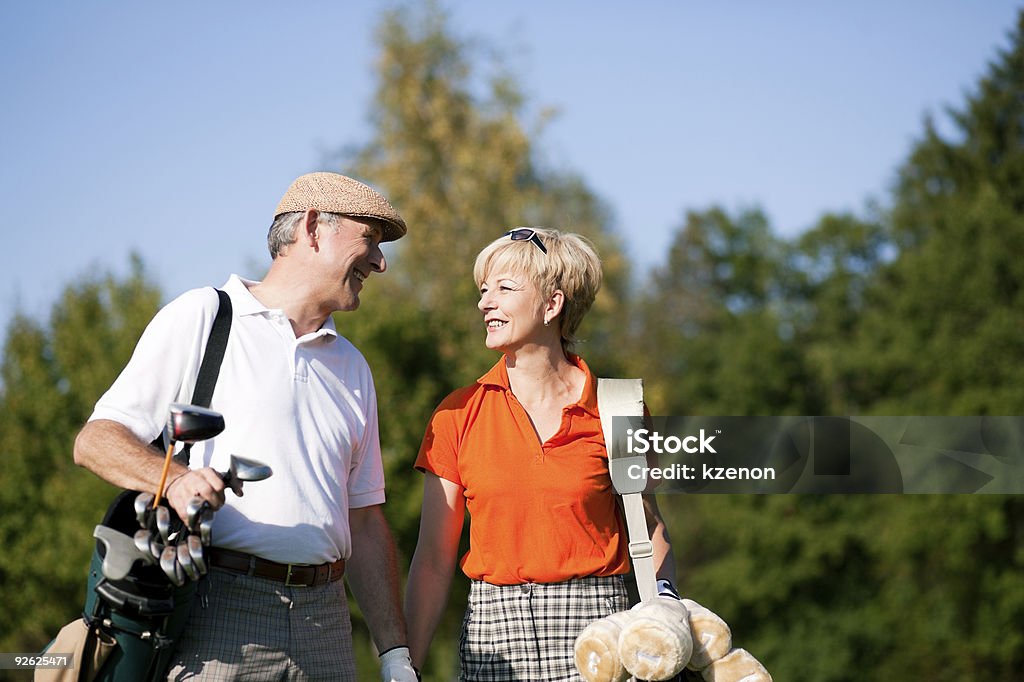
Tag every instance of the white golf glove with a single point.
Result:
(396, 666)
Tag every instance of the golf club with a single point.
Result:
(195, 508)
(241, 470)
(171, 567)
(206, 527)
(163, 523)
(156, 548)
(121, 552)
(186, 424)
(195, 550)
(142, 540)
(185, 561)
(143, 505)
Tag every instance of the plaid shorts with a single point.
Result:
(526, 632)
(256, 629)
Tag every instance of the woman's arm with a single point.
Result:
(433, 563)
(664, 560)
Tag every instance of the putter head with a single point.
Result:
(169, 563)
(191, 423)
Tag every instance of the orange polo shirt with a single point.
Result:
(539, 512)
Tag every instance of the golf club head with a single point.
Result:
(185, 561)
(143, 540)
(143, 501)
(170, 566)
(195, 550)
(156, 548)
(121, 552)
(243, 469)
(191, 423)
(206, 527)
(163, 523)
(192, 512)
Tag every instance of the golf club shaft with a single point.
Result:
(163, 475)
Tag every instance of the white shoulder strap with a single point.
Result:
(625, 398)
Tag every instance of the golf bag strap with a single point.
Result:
(213, 356)
(625, 398)
(209, 369)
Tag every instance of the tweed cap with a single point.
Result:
(334, 193)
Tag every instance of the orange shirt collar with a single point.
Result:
(498, 376)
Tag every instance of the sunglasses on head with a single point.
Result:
(526, 234)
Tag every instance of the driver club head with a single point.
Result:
(169, 563)
(191, 423)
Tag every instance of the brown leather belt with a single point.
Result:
(293, 575)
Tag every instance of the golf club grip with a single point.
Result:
(163, 475)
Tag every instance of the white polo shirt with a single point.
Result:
(305, 406)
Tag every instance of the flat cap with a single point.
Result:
(334, 193)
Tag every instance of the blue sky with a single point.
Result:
(172, 129)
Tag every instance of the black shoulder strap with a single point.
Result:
(209, 368)
(214, 355)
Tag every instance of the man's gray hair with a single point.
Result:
(282, 230)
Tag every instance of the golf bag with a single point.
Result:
(144, 612)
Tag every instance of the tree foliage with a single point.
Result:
(455, 153)
(52, 376)
(912, 309)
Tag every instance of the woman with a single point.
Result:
(522, 449)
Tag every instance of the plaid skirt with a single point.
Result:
(526, 632)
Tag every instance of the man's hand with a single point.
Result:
(204, 483)
(396, 666)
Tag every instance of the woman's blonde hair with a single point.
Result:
(571, 265)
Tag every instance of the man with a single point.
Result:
(299, 397)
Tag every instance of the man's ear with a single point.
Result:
(310, 222)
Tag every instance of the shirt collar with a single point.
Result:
(498, 376)
(244, 303)
(242, 300)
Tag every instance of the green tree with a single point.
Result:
(833, 265)
(941, 332)
(52, 376)
(453, 148)
(712, 332)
